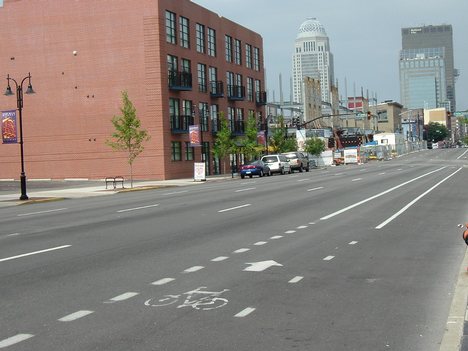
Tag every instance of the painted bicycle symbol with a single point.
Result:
(197, 299)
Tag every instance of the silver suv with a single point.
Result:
(298, 161)
(277, 163)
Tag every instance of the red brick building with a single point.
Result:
(180, 63)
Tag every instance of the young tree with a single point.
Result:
(437, 132)
(128, 135)
(279, 142)
(223, 144)
(248, 144)
(314, 146)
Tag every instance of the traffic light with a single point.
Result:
(369, 115)
(449, 114)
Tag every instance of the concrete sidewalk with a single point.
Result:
(49, 190)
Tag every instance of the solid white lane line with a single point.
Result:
(463, 154)
(34, 253)
(41, 212)
(137, 208)
(245, 312)
(162, 281)
(74, 316)
(276, 237)
(234, 208)
(289, 232)
(123, 297)
(242, 250)
(302, 227)
(260, 243)
(246, 189)
(318, 188)
(378, 195)
(176, 192)
(14, 340)
(329, 258)
(193, 269)
(296, 279)
(353, 243)
(219, 259)
(384, 223)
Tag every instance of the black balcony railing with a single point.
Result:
(237, 127)
(181, 81)
(180, 124)
(261, 98)
(216, 89)
(236, 92)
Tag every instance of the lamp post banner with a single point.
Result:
(195, 135)
(9, 130)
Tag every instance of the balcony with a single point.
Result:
(237, 127)
(180, 81)
(180, 124)
(236, 92)
(216, 89)
(261, 98)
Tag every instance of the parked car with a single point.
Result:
(277, 163)
(252, 168)
(298, 161)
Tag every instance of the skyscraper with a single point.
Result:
(312, 58)
(427, 73)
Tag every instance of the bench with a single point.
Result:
(114, 181)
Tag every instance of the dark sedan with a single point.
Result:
(252, 168)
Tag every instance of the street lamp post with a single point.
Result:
(19, 101)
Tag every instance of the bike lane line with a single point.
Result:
(122, 297)
(74, 316)
(245, 312)
(14, 340)
(163, 281)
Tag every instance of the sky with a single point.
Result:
(365, 38)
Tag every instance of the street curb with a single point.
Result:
(455, 337)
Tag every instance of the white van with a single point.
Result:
(277, 163)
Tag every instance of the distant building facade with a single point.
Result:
(181, 64)
(427, 67)
(312, 58)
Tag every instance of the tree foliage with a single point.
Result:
(128, 135)
(437, 132)
(248, 144)
(279, 142)
(224, 144)
(314, 146)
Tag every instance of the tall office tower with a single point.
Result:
(427, 73)
(312, 58)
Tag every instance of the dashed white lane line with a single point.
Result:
(14, 340)
(176, 192)
(162, 281)
(41, 212)
(219, 259)
(302, 227)
(246, 189)
(289, 232)
(123, 297)
(329, 258)
(245, 312)
(34, 253)
(296, 279)
(313, 189)
(353, 243)
(137, 208)
(234, 208)
(74, 316)
(356, 179)
(260, 243)
(193, 269)
(244, 249)
(276, 237)
(302, 180)
(13, 234)
(311, 222)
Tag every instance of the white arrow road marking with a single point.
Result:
(245, 312)
(261, 266)
(14, 340)
(34, 253)
(75, 316)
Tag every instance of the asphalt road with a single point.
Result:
(347, 258)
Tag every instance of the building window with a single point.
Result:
(257, 59)
(211, 42)
(184, 32)
(176, 152)
(200, 32)
(248, 56)
(172, 63)
(204, 114)
(228, 44)
(237, 52)
(231, 118)
(186, 66)
(250, 89)
(188, 152)
(202, 86)
(171, 27)
(214, 118)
